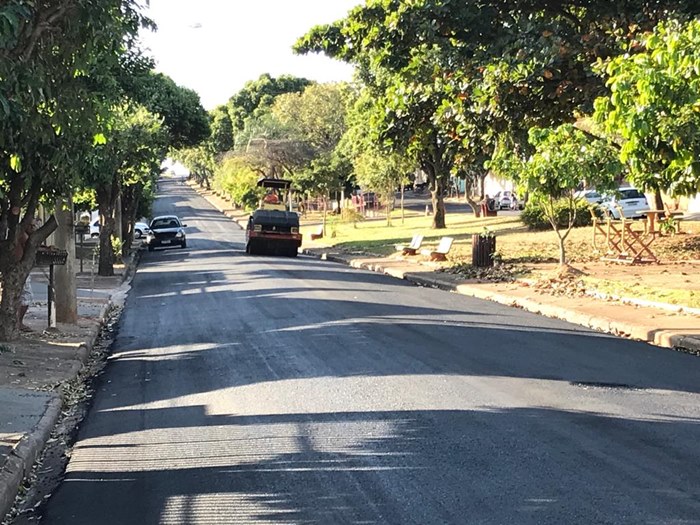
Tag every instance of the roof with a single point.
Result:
(274, 183)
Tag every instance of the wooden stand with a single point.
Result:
(46, 257)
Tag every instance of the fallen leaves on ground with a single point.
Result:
(499, 273)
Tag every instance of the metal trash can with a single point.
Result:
(483, 250)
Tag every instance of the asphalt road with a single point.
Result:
(272, 390)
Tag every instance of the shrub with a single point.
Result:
(534, 218)
(235, 179)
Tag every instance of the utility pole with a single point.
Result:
(66, 284)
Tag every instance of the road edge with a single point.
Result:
(23, 457)
(607, 325)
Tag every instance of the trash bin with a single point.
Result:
(483, 250)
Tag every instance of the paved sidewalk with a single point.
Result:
(33, 367)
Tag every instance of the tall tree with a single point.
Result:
(129, 155)
(258, 95)
(221, 139)
(186, 121)
(52, 57)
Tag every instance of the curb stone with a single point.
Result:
(24, 455)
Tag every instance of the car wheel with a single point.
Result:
(138, 234)
(94, 235)
(183, 244)
(150, 247)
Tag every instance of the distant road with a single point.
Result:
(249, 389)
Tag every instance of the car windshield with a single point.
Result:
(167, 222)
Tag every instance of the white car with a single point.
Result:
(506, 200)
(140, 229)
(590, 196)
(95, 228)
(631, 201)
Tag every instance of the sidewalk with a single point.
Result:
(33, 367)
(663, 325)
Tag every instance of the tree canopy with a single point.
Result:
(654, 109)
(457, 80)
(57, 69)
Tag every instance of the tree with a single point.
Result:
(258, 95)
(221, 139)
(380, 170)
(654, 109)
(562, 158)
(128, 157)
(382, 173)
(315, 121)
(52, 56)
(501, 67)
(186, 121)
(199, 160)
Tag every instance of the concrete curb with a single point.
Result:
(25, 454)
(639, 332)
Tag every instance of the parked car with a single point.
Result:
(590, 196)
(632, 202)
(95, 228)
(166, 230)
(506, 200)
(140, 229)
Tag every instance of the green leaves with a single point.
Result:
(653, 109)
(15, 163)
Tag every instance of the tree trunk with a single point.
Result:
(66, 287)
(438, 201)
(131, 196)
(562, 251)
(13, 275)
(106, 205)
(12, 284)
(403, 215)
(658, 200)
(476, 208)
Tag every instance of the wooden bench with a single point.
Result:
(440, 253)
(318, 234)
(412, 248)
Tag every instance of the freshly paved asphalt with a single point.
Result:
(272, 390)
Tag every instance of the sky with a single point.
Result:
(215, 46)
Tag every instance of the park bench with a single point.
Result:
(318, 234)
(440, 253)
(412, 248)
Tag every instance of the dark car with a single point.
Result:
(166, 230)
